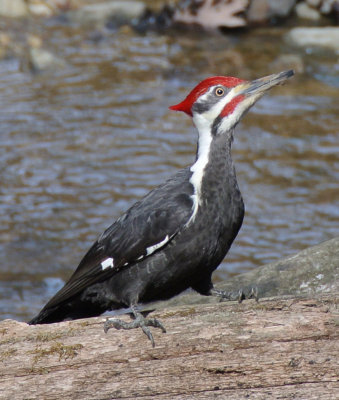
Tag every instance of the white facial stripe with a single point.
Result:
(203, 97)
(108, 263)
(231, 120)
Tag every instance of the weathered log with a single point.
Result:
(284, 348)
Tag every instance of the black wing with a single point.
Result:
(150, 224)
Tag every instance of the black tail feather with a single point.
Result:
(66, 312)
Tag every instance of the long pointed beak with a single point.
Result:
(259, 86)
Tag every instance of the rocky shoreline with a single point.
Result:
(300, 30)
(208, 14)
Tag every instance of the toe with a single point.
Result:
(148, 333)
(158, 324)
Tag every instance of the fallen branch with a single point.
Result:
(277, 347)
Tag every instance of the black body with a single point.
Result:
(194, 251)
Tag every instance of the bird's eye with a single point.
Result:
(219, 91)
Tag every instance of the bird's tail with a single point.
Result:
(47, 316)
(67, 311)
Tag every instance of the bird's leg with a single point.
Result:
(239, 296)
(139, 322)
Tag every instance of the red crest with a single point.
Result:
(201, 88)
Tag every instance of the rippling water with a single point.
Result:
(78, 146)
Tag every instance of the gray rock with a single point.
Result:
(41, 60)
(42, 8)
(281, 9)
(318, 37)
(314, 3)
(5, 45)
(13, 8)
(37, 58)
(328, 6)
(100, 13)
(313, 270)
(264, 10)
(304, 11)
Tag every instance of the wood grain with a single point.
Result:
(278, 348)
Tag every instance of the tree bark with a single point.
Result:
(281, 348)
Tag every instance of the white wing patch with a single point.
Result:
(108, 263)
(157, 246)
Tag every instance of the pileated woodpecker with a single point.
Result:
(178, 234)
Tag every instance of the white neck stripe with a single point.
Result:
(204, 144)
(203, 122)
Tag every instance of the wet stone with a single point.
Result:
(304, 11)
(318, 37)
(101, 13)
(13, 8)
(264, 10)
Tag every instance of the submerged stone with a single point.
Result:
(318, 37)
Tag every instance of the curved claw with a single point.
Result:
(156, 324)
(145, 323)
(148, 333)
(239, 296)
(254, 294)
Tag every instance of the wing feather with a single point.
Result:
(148, 226)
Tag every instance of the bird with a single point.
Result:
(178, 234)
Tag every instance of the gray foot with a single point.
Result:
(238, 296)
(139, 322)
